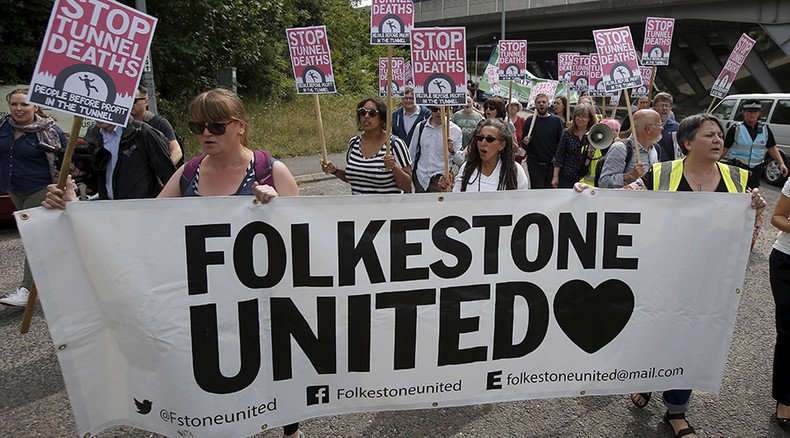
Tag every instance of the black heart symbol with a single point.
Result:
(593, 317)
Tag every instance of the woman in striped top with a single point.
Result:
(369, 169)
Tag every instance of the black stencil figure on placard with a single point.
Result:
(593, 317)
(439, 85)
(88, 84)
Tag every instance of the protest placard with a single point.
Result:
(580, 73)
(311, 60)
(658, 41)
(596, 86)
(91, 59)
(512, 63)
(617, 58)
(391, 21)
(644, 89)
(565, 63)
(730, 70)
(408, 76)
(541, 87)
(438, 60)
(214, 316)
(398, 73)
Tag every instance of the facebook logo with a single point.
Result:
(318, 394)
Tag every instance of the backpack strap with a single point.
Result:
(263, 168)
(190, 169)
(419, 147)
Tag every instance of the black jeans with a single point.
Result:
(540, 174)
(779, 271)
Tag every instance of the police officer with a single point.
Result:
(746, 143)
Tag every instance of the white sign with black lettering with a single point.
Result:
(215, 316)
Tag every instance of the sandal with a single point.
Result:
(643, 401)
(784, 423)
(679, 416)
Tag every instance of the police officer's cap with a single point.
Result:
(752, 105)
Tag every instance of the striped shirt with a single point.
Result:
(368, 175)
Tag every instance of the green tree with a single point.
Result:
(21, 33)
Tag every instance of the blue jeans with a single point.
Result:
(677, 400)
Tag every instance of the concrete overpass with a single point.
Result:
(705, 32)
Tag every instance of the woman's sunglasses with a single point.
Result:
(216, 128)
(372, 112)
(488, 138)
(434, 109)
(490, 108)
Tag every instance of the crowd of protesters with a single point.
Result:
(485, 147)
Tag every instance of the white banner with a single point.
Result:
(219, 316)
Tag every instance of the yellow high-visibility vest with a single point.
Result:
(667, 176)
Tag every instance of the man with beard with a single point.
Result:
(662, 104)
(405, 118)
(620, 166)
(541, 146)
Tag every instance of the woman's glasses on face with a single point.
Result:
(216, 128)
(372, 112)
(488, 138)
(434, 109)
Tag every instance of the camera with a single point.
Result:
(87, 158)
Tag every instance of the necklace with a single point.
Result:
(699, 184)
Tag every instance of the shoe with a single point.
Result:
(784, 423)
(679, 416)
(17, 298)
(643, 401)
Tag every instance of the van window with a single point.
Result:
(781, 114)
(724, 110)
(763, 114)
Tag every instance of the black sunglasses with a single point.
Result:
(216, 128)
(490, 107)
(488, 138)
(372, 112)
(434, 109)
(137, 99)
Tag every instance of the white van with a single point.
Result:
(776, 113)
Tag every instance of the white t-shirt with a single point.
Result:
(481, 183)
(783, 239)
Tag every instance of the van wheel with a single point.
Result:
(773, 174)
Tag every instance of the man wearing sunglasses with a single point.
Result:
(746, 144)
(139, 164)
(427, 153)
(140, 113)
(405, 118)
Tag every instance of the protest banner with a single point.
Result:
(730, 70)
(512, 62)
(658, 41)
(565, 63)
(391, 21)
(647, 82)
(91, 59)
(219, 317)
(580, 73)
(438, 61)
(617, 58)
(311, 60)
